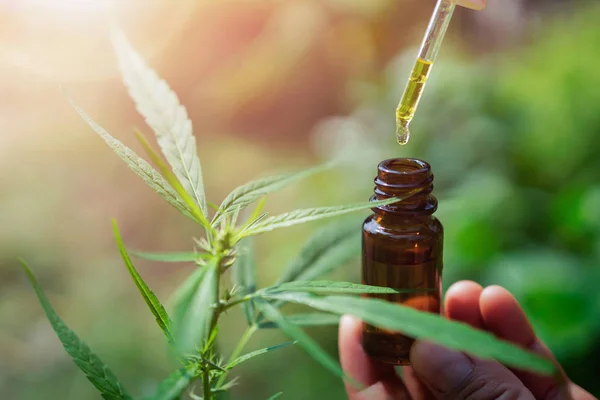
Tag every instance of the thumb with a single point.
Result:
(450, 374)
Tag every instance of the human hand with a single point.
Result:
(438, 373)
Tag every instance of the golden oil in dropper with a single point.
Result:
(410, 100)
(429, 49)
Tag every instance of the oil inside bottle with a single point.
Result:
(410, 100)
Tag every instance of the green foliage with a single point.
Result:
(335, 287)
(139, 166)
(175, 384)
(307, 319)
(255, 353)
(311, 347)
(92, 366)
(454, 335)
(331, 247)
(170, 257)
(165, 115)
(196, 321)
(311, 214)
(246, 194)
(244, 275)
(159, 312)
(184, 294)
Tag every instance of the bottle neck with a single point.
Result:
(409, 179)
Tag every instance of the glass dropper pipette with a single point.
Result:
(427, 54)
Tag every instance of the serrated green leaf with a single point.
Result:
(305, 341)
(424, 325)
(244, 275)
(336, 287)
(332, 247)
(174, 257)
(172, 179)
(92, 366)
(311, 214)
(155, 306)
(175, 384)
(306, 319)
(161, 108)
(255, 353)
(252, 191)
(195, 324)
(138, 165)
(275, 396)
(183, 295)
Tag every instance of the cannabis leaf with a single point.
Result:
(175, 384)
(244, 275)
(311, 214)
(311, 347)
(138, 165)
(162, 318)
(92, 366)
(161, 108)
(306, 319)
(333, 246)
(181, 299)
(252, 191)
(195, 324)
(424, 325)
(175, 257)
(172, 179)
(336, 287)
(255, 353)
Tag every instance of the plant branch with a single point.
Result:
(206, 384)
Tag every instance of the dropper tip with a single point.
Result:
(402, 134)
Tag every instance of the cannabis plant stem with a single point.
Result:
(206, 385)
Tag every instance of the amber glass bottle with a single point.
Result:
(402, 249)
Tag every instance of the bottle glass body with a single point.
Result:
(402, 249)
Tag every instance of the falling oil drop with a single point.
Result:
(402, 133)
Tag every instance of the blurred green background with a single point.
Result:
(510, 123)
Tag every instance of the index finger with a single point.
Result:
(356, 364)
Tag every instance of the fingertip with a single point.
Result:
(462, 303)
(504, 317)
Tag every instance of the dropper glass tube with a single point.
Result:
(427, 54)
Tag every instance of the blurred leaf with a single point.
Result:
(95, 370)
(139, 166)
(424, 325)
(311, 347)
(183, 295)
(244, 275)
(160, 107)
(175, 384)
(307, 319)
(170, 257)
(331, 247)
(252, 191)
(196, 320)
(162, 318)
(171, 178)
(253, 354)
(313, 214)
(275, 396)
(336, 287)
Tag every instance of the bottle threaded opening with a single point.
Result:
(402, 177)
